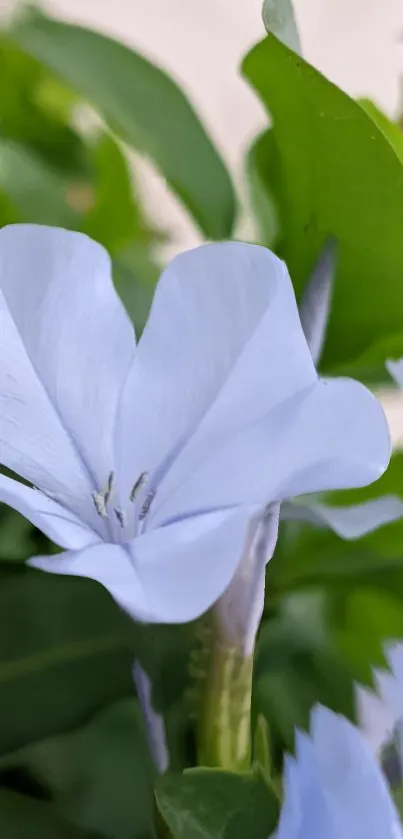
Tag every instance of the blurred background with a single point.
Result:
(357, 44)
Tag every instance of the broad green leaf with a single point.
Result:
(37, 192)
(279, 19)
(118, 221)
(29, 116)
(337, 174)
(390, 129)
(135, 275)
(116, 217)
(143, 105)
(213, 804)
(298, 665)
(363, 620)
(263, 203)
(99, 776)
(18, 537)
(66, 651)
(22, 817)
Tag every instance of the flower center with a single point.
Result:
(101, 501)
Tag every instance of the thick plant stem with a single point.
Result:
(224, 733)
(225, 724)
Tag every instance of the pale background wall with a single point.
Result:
(358, 44)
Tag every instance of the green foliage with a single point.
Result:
(66, 651)
(213, 804)
(143, 105)
(22, 817)
(99, 777)
(333, 171)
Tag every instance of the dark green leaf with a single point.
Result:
(99, 776)
(298, 665)
(143, 105)
(66, 651)
(213, 804)
(33, 111)
(337, 174)
(25, 818)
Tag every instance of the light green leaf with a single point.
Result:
(66, 650)
(337, 174)
(143, 105)
(390, 129)
(279, 19)
(213, 804)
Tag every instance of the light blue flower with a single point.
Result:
(334, 788)
(149, 463)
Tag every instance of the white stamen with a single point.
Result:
(99, 502)
(101, 499)
(138, 485)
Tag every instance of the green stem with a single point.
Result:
(224, 733)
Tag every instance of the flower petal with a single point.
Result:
(77, 340)
(350, 522)
(59, 524)
(109, 565)
(352, 778)
(334, 788)
(239, 610)
(331, 437)
(33, 441)
(395, 369)
(223, 345)
(185, 567)
(314, 307)
(171, 575)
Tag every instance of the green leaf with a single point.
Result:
(135, 275)
(25, 818)
(116, 218)
(337, 174)
(297, 665)
(363, 620)
(279, 19)
(38, 192)
(143, 105)
(66, 650)
(213, 804)
(258, 161)
(99, 776)
(28, 116)
(390, 129)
